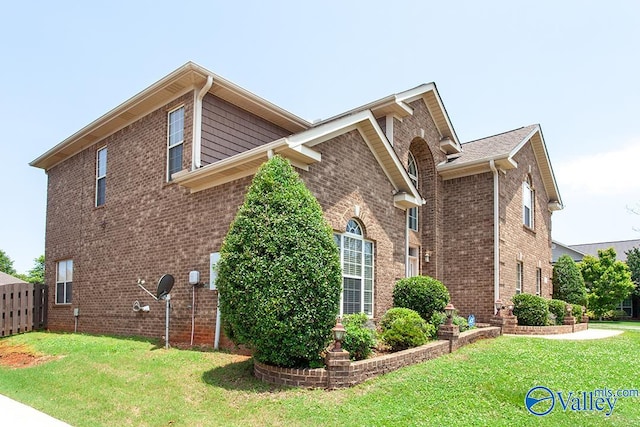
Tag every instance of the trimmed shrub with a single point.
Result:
(359, 338)
(531, 310)
(568, 283)
(576, 310)
(437, 318)
(558, 309)
(279, 274)
(423, 294)
(403, 328)
(463, 324)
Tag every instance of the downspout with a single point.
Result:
(406, 243)
(496, 231)
(196, 153)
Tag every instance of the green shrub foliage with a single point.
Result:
(576, 310)
(404, 328)
(531, 310)
(568, 283)
(559, 309)
(279, 273)
(360, 338)
(463, 324)
(423, 294)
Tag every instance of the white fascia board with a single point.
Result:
(408, 96)
(524, 141)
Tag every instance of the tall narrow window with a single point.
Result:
(538, 281)
(175, 141)
(413, 262)
(356, 257)
(528, 203)
(412, 170)
(101, 176)
(64, 281)
(519, 268)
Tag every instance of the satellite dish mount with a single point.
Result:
(165, 284)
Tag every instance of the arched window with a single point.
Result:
(528, 203)
(356, 258)
(412, 170)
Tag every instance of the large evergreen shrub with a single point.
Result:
(423, 294)
(404, 328)
(531, 310)
(568, 283)
(279, 273)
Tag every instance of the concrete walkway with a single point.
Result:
(17, 414)
(589, 334)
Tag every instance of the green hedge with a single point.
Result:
(403, 328)
(359, 338)
(531, 310)
(423, 294)
(559, 309)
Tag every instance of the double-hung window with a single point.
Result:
(101, 176)
(412, 170)
(528, 204)
(64, 281)
(175, 140)
(356, 258)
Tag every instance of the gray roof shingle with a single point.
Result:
(492, 146)
(620, 247)
(7, 279)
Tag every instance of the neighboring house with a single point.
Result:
(631, 305)
(7, 279)
(152, 186)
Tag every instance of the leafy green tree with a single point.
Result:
(6, 264)
(568, 284)
(633, 262)
(608, 281)
(279, 274)
(36, 274)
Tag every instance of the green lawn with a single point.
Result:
(126, 382)
(614, 324)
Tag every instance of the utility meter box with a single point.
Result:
(194, 277)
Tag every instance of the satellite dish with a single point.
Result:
(164, 286)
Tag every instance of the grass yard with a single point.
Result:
(614, 324)
(93, 380)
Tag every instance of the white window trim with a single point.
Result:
(362, 276)
(65, 282)
(181, 142)
(528, 200)
(413, 212)
(538, 281)
(98, 176)
(413, 261)
(519, 276)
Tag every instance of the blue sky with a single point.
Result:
(571, 66)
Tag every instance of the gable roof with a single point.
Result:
(558, 249)
(7, 279)
(185, 79)
(620, 246)
(476, 157)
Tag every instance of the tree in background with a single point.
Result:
(608, 281)
(568, 284)
(36, 274)
(279, 274)
(6, 264)
(633, 262)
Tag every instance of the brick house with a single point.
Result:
(152, 186)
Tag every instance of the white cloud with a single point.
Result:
(615, 172)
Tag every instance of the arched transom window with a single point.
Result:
(356, 258)
(412, 170)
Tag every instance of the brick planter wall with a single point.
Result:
(342, 373)
(550, 330)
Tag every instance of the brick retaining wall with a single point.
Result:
(550, 330)
(341, 372)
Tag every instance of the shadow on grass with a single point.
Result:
(239, 376)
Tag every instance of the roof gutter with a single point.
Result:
(496, 231)
(196, 151)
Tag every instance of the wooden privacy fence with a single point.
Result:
(23, 308)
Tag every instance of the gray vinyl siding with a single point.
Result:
(228, 130)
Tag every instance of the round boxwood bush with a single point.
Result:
(559, 309)
(403, 328)
(531, 310)
(360, 338)
(423, 294)
(279, 274)
(576, 311)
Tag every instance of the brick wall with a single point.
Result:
(517, 242)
